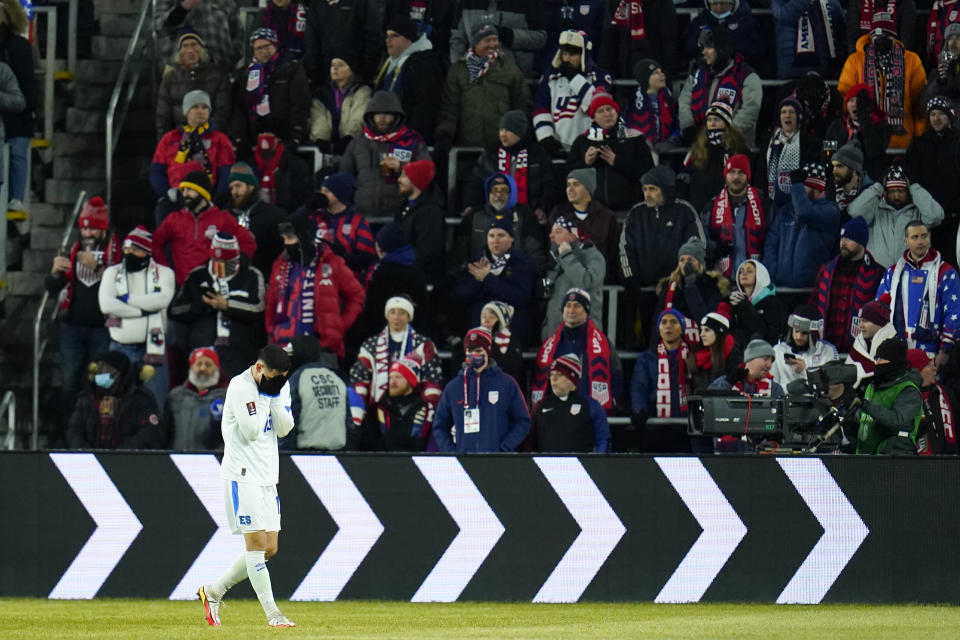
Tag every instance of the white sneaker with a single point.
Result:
(280, 620)
(15, 205)
(211, 607)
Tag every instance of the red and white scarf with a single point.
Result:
(629, 15)
(664, 387)
(722, 221)
(691, 330)
(762, 386)
(886, 77)
(502, 340)
(517, 169)
(868, 8)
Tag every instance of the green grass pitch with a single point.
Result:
(149, 619)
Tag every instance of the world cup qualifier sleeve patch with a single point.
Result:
(252, 408)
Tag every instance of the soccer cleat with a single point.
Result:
(211, 607)
(280, 620)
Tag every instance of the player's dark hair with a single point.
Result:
(274, 357)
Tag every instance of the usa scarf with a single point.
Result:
(944, 12)
(296, 26)
(729, 88)
(722, 221)
(111, 255)
(868, 8)
(691, 331)
(502, 339)
(664, 385)
(783, 156)
(935, 267)
(477, 66)
(268, 165)
(515, 165)
(629, 15)
(155, 343)
(192, 147)
(886, 77)
(815, 24)
(404, 143)
(258, 85)
(301, 321)
(599, 371)
(653, 117)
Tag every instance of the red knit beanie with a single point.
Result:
(204, 352)
(739, 161)
(420, 173)
(95, 214)
(602, 98)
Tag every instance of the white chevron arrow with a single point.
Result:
(117, 526)
(722, 530)
(202, 473)
(600, 530)
(359, 528)
(479, 529)
(843, 530)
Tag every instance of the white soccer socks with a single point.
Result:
(260, 581)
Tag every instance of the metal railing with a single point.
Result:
(4, 197)
(40, 345)
(9, 403)
(126, 84)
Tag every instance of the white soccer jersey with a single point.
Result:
(251, 424)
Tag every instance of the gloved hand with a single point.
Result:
(506, 35)
(689, 275)
(797, 176)
(553, 146)
(865, 105)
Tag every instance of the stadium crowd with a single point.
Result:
(758, 237)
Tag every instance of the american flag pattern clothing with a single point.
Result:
(838, 298)
(560, 105)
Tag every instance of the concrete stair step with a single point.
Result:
(57, 191)
(44, 214)
(110, 47)
(94, 72)
(45, 238)
(89, 145)
(124, 168)
(129, 7)
(94, 121)
(98, 97)
(38, 260)
(23, 283)
(116, 24)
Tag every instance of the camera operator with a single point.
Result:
(835, 402)
(937, 434)
(892, 406)
(754, 377)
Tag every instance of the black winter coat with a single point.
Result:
(543, 190)
(17, 52)
(618, 187)
(391, 279)
(873, 142)
(264, 222)
(289, 108)
(619, 53)
(766, 319)
(421, 85)
(348, 29)
(137, 426)
(933, 161)
(425, 230)
(651, 238)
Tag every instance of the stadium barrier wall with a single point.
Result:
(495, 527)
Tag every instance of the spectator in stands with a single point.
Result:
(849, 178)
(566, 421)
(720, 75)
(804, 231)
(809, 37)
(495, 317)
(655, 395)
(559, 16)
(221, 303)
(217, 20)
(479, 91)
(311, 291)
(395, 274)
(753, 378)
(690, 288)
(654, 230)
(755, 307)
(285, 176)
(320, 400)
(400, 420)
(802, 349)
(471, 234)
(482, 407)
(594, 222)
(716, 141)
(190, 247)
(342, 226)
(378, 156)
(192, 411)
(619, 154)
(134, 295)
(579, 335)
(524, 160)
(271, 96)
(653, 109)
(115, 411)
(336, 114)
(736, 17)
(191, 70)
(422, 218)
(288, 19)
(933, 162)
(819, 100)
(436, 18)
(900, 18)
(75, 280)
(563, 98)
(887, 207)
(256, 215)
(864, 122)
(576, 264)
(873, 328)
(519, 24)
(945, 79)
(503, 272)
(717, 354)
(790, 147)
(413, 71)
(893, 407)
(369, 375)
(735, 221)
(845, 284)
(923, 295)
(350, 30)
(939, 401)
(195, 140)
(17, 110)
(894, 75)
(639, 30)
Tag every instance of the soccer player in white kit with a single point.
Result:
(255, 413)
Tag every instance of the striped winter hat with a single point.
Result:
(719, 320)
(264, 33)
(478, 337)
(896, 178)
(224, 246)
(569, 366)
(139, 238)
(409, 368)
(816, 176)
(503, 312)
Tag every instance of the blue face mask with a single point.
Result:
(476, 361)
(721, 16)
(104, 380)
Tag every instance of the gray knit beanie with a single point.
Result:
(694, 247)
(586, 177)
(850, 155)
(758, 348)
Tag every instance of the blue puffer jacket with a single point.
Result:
(504, 419)
(786, 17)
(804, 235)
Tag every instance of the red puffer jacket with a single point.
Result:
(189, 237)
(219, 151)
(337, 296)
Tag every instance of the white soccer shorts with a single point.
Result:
(251, 507)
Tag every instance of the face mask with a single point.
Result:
(104, 380)
(135, 263)
(886, 372)
(293, 252)
(721, 16)
(476, 361)
(715, 137)
(271, 386)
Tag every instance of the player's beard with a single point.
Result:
(203, 382)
